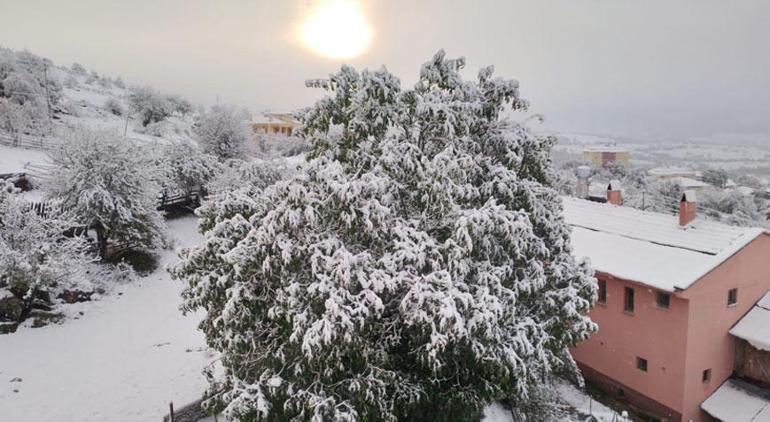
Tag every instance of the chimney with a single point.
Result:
(583, 174)
(613, 193)
(687, 208)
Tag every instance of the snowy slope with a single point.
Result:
(123, 360)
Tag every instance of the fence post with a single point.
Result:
(171, 411)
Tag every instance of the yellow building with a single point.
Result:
(602, 156)
(274, 123)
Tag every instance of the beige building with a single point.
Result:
(275, 123)
(602, 156)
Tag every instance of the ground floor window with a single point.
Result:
(641, 364)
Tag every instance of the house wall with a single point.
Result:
(652, 333)
(709, 345)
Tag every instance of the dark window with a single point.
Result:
(602, 291)
(732, 297)
(628, 304)
(664, 300)
(641, 364)
(706, 377)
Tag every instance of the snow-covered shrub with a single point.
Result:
(118, 81)
(150, 105)
(273, 145)
(78, 69)
(37, 261)
(418, 269)
(106, 182)
(223, 131)
(114, 106)
(30, 92)
(180, 105)
(185, 168)
(715, 177)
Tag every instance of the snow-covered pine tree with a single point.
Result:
(419, 269)
(107, 183)
(223, 131)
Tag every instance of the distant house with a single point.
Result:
(670, 291)
(687, 183)
(602, 156)
(664, 173)
(275, 123)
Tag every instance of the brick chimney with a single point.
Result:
(687, 208)
(613, 193)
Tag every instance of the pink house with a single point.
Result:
(670, 290)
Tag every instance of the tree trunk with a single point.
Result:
(101, 239)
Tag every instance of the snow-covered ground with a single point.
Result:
(124, 359)
(16, 160)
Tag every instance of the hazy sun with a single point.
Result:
(336, 29)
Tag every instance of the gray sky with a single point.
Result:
(637, 67)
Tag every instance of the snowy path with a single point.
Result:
(123, 360)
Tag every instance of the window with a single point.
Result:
(602, 291)
(641, 364)
(628, 304)
(664, 300)
(732, 297)
(706, 377)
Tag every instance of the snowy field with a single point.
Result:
(124, 359)
(15, 160)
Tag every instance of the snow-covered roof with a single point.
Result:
(754, 327)
(738, 401)
(689, 183)
(651, 248)
(605, 148)
(673, 171)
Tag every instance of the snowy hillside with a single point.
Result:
(40, 100)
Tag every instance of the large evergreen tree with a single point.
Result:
(418, 270)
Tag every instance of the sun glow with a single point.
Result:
(336, 29)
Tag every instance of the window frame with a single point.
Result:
(732, 297)
(706, 376)
(642, 364)
(601, 292)
(658, 295)
(628, 292)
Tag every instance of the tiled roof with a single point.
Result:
(651, 248)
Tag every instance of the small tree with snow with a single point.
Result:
(149, 105)
(419, 269)
(185, 168)
(716, 177)
(36, 260)
(223, 131)
(105, 183)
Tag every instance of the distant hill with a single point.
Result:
(39, 99)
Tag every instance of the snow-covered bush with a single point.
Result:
(715, 177)
(78, 69)
(223, 131)
(37, 262)
(273, 145)
(419, 269)
(114, 106)
(150, 105)
(119, 83)
(29, 92)
(106, 183)
(185, 168)
(180, 105)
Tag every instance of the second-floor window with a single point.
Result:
(628, 303)
(732, 297)
(663, 300)
(602, 291)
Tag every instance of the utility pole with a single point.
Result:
(47, 96)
